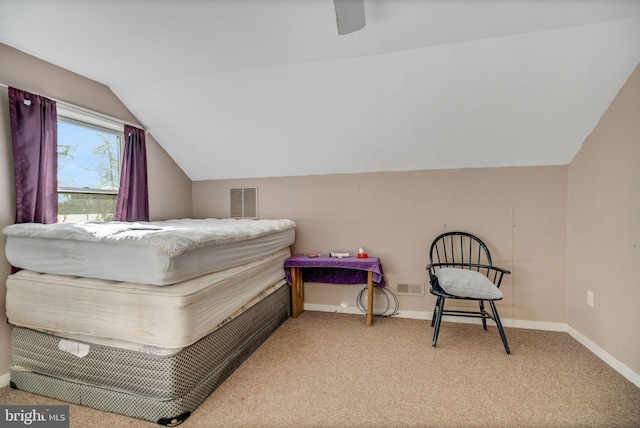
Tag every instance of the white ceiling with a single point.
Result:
(263, 88)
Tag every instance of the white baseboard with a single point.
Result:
(617, 365)
(539, 325)
(351, 310)
(4, 380)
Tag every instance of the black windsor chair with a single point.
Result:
(460, 268)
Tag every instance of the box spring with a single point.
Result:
(155, 388)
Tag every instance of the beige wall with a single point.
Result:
(519, 212)
(169, 187)
(604, 230)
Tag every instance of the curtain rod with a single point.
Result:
(90, 112)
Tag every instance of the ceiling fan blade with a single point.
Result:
(349, 15)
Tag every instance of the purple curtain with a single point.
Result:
(34, 129)
(133, 197)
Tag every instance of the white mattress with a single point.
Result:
(146, 316)
(159, 253)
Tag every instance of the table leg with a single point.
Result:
(369, 298)
(297, 291)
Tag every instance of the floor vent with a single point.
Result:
(243, 202)
(408, 289)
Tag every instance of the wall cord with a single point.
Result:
(383, 314)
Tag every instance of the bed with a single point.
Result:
(152, 351)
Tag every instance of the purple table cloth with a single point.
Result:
(331, 270)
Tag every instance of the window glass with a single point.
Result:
(89, 160)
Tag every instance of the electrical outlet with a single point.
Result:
(590, 298)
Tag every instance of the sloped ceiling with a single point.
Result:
(264, 88)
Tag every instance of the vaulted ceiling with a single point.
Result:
(264, 88)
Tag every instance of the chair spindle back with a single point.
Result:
(457, 249)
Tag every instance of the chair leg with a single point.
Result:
(435, 311)
(439, 309)
(499, 324)
(482, 311)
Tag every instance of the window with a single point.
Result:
(89, 158)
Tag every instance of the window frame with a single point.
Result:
(78, 117)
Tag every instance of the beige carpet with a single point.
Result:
(330, 370)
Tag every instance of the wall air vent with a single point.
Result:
(407, 289)
(244, 202)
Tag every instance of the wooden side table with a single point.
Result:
(349, 270)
